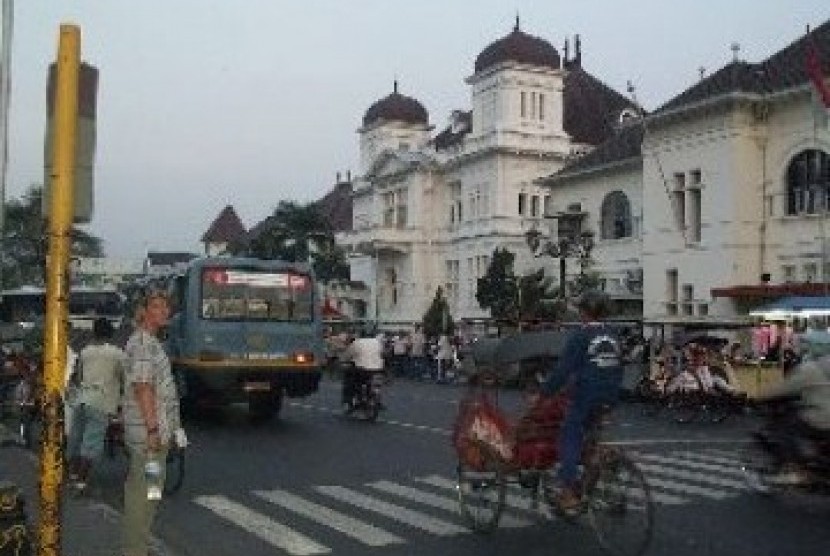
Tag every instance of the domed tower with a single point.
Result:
(517, 89)
(395, 122)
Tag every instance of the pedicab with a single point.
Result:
(496, 449)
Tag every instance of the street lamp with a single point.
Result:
(569, 244)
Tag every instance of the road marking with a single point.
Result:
(687, 475)
(632, 442)
(733, 465)
(413, 426)
(436, 501)
(359, 530)
(392, 511)
(262, 526)
(512, 501)
(684, 488)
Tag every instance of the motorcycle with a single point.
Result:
(779, 446)
(367, 400)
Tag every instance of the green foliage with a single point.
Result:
(497, 290)
(438, 320)
(298, 233)
(25, 243)
(538, 297)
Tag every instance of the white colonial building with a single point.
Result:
(726, 191)
(428, 211)
(705, 208)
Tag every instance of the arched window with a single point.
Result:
(808, 182)
(616, 216)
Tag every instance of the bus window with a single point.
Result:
(250, 294)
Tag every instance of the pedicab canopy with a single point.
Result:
(495, 353)
(791, 307)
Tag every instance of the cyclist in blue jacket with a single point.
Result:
(591, 365)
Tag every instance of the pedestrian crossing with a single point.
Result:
(385, 513)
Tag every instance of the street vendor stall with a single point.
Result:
(753, 374)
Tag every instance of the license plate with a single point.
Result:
(257, 386)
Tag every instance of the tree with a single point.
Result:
(25, 242)
(298, 233)
(538, 297)
(498, 290)
(438, 320)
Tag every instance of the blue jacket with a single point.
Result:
(591, 363)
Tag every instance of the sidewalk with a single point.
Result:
(89, 527)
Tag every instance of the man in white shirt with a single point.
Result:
(100, 370)
(366, 354)
(417, 343)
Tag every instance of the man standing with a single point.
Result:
(151, 418)
(417, 341)
(591, 366)
(98, 377)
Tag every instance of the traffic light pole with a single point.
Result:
(57, 290)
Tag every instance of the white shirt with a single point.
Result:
(365, 353)
(101, 367)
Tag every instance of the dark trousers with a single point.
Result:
(353, 379)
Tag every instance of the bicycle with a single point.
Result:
(18, 400)
(493, 451)
(114, 445)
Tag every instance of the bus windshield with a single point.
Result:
(27, 306)
(256, 295)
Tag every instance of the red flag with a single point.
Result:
(816, 76)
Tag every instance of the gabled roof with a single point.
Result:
(226, 228)
(625, 144)
(783, 70)
(336, 207)
(591, 108)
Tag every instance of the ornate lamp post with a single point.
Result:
(571, 243)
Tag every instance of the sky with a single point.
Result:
(204, 103)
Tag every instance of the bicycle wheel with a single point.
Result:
(481, 493)
(684, 407)
(720, 406)
(620, 507)
(174, 474)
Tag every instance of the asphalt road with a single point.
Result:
(315, 482)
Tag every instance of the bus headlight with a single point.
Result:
(303, 357)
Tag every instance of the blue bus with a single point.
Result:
(246, 330)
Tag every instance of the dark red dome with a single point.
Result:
(519, 47)
(396, 107)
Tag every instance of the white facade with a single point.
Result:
(710, 209)
(719, 219)
(425, 217)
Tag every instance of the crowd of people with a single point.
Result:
(404, 353)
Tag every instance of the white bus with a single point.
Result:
(25, 307)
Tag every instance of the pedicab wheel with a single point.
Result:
(620, 507)
(719, 406)
(481, 492)
(174, 473)
(684, 407)
(756, 465)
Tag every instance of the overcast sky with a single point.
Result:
(204, 103)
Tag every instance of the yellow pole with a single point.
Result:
(57, 289)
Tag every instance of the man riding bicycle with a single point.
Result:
(591, 366)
